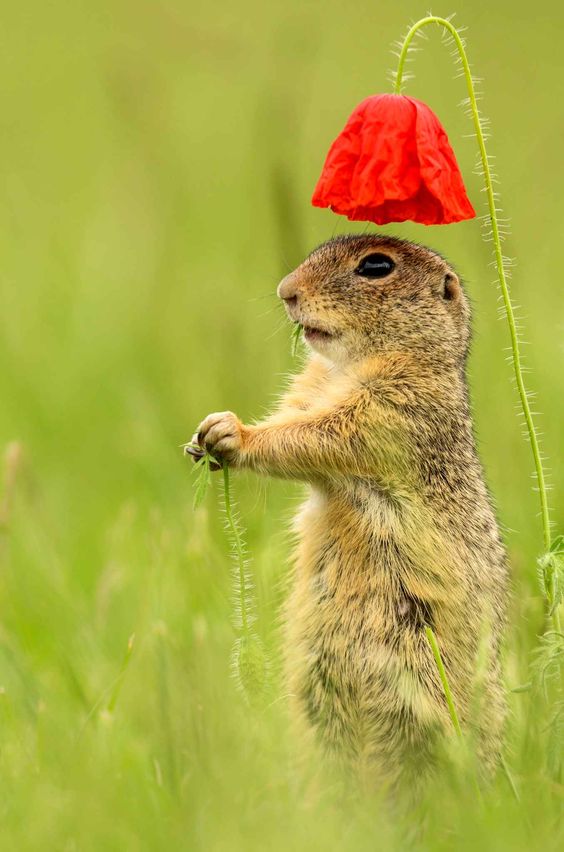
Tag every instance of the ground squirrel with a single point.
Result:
(398, 530)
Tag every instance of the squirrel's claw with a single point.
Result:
(197, 453)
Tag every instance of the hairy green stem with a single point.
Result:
(516, 355)
(235, 534)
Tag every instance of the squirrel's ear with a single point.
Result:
(451, 287)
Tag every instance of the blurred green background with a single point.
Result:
(156, 167)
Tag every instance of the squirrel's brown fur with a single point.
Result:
(398, 531)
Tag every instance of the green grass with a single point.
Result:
(156, 166)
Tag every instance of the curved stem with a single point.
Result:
(516, 355)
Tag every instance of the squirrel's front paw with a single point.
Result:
(221, 434)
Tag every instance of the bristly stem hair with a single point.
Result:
(238, 551)
(499, 257)
(249, 662)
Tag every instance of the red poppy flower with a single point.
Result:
(393, 162)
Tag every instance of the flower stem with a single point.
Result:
(237, 544)
(502, 274)
(249, 660)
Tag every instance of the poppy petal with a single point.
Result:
(393, 162)
(439, 169)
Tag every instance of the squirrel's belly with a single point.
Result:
(356, 650)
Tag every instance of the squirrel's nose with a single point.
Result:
(287, 289)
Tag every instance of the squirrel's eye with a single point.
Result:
(375, 266)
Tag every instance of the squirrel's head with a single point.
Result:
(359, 295)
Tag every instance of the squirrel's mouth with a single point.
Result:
(314, 334)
